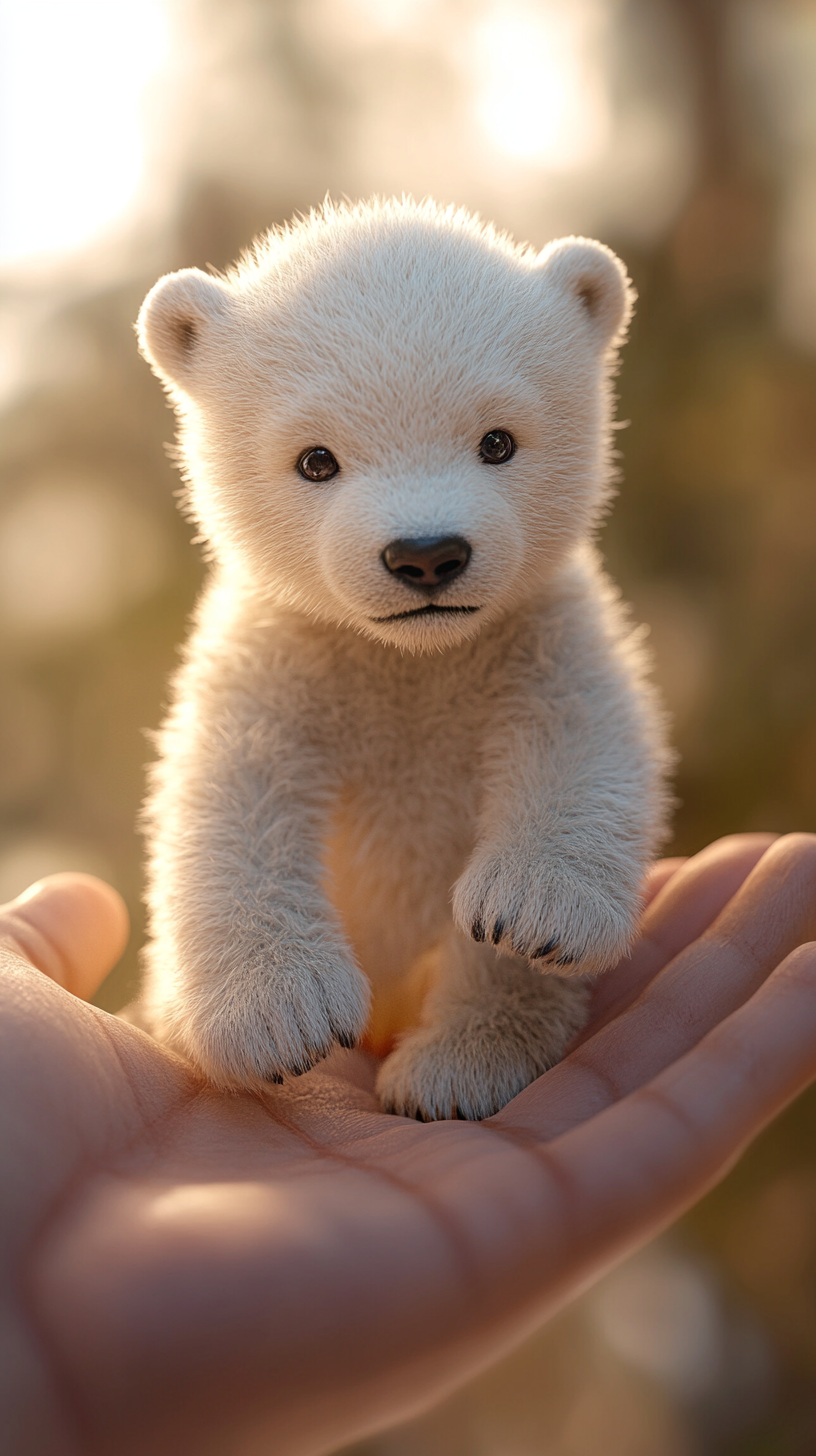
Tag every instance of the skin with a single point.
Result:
(187, 1271)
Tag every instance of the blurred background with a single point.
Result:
(138, 137)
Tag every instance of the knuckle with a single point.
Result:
(798, 851)
(746, 840)
(799, 967)
(800, 843)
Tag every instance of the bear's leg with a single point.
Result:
(492, 1024)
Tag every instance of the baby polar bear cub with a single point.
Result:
(411, 762)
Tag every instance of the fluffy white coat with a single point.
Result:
(381, 811)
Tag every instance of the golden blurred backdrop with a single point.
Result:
(140, 137)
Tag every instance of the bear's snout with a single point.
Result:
(427, 562)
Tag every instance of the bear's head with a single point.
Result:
(393, 417)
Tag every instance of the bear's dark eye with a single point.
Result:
(317, 464)
(497, 446)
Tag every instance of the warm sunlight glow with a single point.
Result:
(540, 95)
(72, 83)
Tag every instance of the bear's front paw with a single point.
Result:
(568, 916)
(263, 1021)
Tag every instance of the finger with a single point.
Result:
(683, 907)
(72, 927)
(659, 875)
(772, 913)
(540, 1220)
(632, 1170)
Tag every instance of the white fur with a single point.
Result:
(352, 806)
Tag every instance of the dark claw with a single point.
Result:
(498, 931)
(566, 960)
(477, 930)
(274, 1077)
(301, 1067)
(545, 950)
(345, 1039)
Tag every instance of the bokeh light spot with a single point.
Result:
(73, 79)
(660, 1313)
(540, 95)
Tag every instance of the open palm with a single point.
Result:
(224, 1275)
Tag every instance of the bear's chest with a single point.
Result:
(411, 780)
(404, 820)
(411, 759)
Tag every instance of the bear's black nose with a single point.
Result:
(428, 561)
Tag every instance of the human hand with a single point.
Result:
(188, 1271)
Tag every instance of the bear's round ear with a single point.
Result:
(592, 279)
(176, 321)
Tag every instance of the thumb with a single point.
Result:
(72, 927)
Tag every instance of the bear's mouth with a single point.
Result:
(431, 610)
